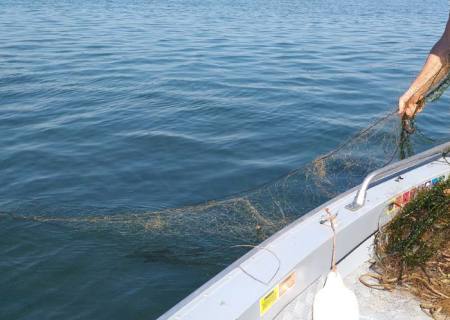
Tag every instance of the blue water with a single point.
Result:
(115, 107)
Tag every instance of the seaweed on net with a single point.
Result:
(412, 252)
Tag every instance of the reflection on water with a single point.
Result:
(115, 113)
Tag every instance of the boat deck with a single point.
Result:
(373, 304)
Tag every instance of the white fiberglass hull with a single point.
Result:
(264, 281)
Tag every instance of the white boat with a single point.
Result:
(278, 279)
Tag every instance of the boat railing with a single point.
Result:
(396, 168)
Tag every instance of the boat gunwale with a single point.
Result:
(401, 167)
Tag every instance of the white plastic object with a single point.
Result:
(335, 301)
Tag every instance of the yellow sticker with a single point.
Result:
(391, 207)
(266, 302)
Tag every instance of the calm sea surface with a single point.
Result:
(116, 107)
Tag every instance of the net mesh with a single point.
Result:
(213, 232)
(204, 232)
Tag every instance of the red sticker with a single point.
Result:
(399, 201)
(406, 197)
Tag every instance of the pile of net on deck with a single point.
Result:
(412, 252)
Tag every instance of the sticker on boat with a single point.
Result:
(401, 200)
(287, 283)
(392, 207)
(266, 302)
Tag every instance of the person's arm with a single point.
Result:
(435, 69)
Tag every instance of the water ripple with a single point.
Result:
(115, 106)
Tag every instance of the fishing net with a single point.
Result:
(215, 232)
(413, 251)
(209, 232)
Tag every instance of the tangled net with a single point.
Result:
(412, 252)
(217, 232)
(214, 232)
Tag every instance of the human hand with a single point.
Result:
(410, 103)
